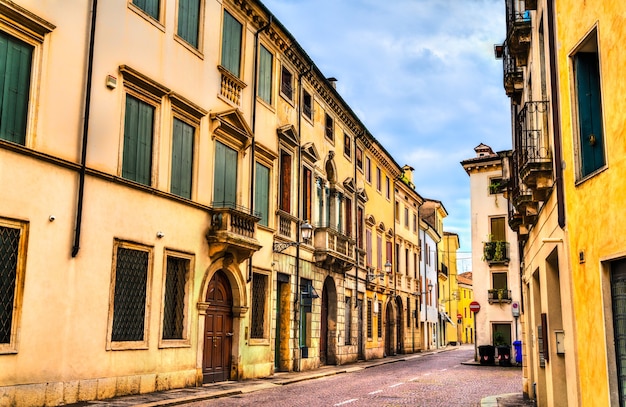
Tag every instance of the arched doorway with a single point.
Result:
(218, 330)
(399, 326)
(390, 320)
(328, 331)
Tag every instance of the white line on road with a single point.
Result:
(426, 374)
(346, 402)
(375, 392)
(414, 379)
(456, 366)
(396, 385)
(443, 370)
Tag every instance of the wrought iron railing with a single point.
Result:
(499, 295)
(496, 252)
(533, 126)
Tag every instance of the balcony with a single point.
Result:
(232, 230)
(513, 77)
(496, 252)
(333, 250)
(499, 295)
(518, 32)
(535, 153)
(530, 4)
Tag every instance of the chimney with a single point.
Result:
(333, 82)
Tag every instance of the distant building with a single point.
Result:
(466, 296)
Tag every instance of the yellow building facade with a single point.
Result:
(466, 296)
(188, 199)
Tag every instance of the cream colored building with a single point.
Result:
(158, 176)
(495, 261)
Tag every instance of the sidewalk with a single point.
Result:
(231, 388)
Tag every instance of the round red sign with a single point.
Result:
(474, 306)
(459, 316)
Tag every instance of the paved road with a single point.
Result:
(428, 380)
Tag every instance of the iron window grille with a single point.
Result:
(129, 304)
(174, 303)
(259, 296)
(9, 249)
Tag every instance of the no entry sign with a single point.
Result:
(474, 306)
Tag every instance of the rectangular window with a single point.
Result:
(182, 158)
(417, 319)
(225, 177)
(13, 237)
(415, 265)
(370, 312)
(15, 67)
(359, 158)
(589, 104)
(259, 298)
(368, 169)
(176, 290)
(307, 104)
(379, 254)
(286, 83)
(131, 275)
(406, 261)
(368, 246)
(397, 257)
(347, 145)
(499, 281)
(406, 217)
(262, 193)
(285, 181)
(408, 313)
(307, 200)
(378, 179)
(618, 306)
(348, 217)
(329, 128)
(138, 135)
(498, 229)
(189, 21)
(348, 321)
(360, 225)
(414, 222)
(231, 44)
(266, 63)
(397, 211)
(150, 7)
(380, 319)
(387, 187)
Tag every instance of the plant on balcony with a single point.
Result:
(495, 252)
(495, 186)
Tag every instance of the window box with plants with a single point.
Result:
(496, 252)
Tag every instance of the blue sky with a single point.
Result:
(421, 75)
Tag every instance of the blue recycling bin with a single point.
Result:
(518, 351)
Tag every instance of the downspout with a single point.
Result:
(83, 155)
(252, 146)
(556, 118)
(296, 311)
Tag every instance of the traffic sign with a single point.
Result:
(459, 316)
(474, 306)
(515, 309)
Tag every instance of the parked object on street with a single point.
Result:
(487, 354)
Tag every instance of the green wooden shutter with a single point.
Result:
(265, 75)
(138, 127)
(231, 44)
(15, 64)
(262, 190)
(589, 111)
(151, 7)
(498, 232)
(225, 187)
(182, 159)
(188, 20)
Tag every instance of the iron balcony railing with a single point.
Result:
(533, 127)
(496, 252)
(499, 295)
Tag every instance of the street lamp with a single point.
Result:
(306, 231)
(372, 276)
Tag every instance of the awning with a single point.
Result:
(446, 317)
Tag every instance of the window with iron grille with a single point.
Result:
(259, 299)
(408, 313)
(12, 250)
(380, 319)
(348, 320)
(370, 312)
(130, 293)
(177, 275)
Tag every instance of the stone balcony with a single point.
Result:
(233, 230)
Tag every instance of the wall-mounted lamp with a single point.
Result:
(306, 231)
(430, 289)
(371, 276)
(160, 234)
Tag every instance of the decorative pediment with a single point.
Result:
(231, 124)
(381, 227)
(264, 152)
(390, 233)
(362, 195)
(288, 135)
(309, 153)
(349, 184)
(370, 220)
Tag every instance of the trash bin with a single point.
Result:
(487, 354)
(504, 355)
(518, 351)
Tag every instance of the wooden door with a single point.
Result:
(218, 330)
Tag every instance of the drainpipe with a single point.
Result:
(252, 146)
(83, 155)
(296, 311)
(556, 118)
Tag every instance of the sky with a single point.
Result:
(422, 77)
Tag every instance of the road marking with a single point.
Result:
(426, 374)
(457, 366)
(396, 385)
(346, 402)
(443, 370)
(414, 379)
(375, 392)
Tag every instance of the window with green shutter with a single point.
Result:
(225, 177)
(150, 7)
(231, 44)
(265, 74)
(138, 131)
(182, 158)
(15, 64)
(591, 138)
(189, 21)
(261, 193)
